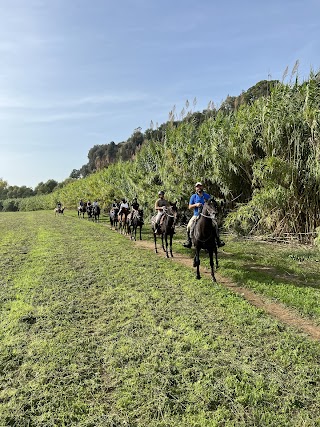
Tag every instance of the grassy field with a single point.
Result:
(97, 332)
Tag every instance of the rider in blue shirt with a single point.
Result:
(196, 200)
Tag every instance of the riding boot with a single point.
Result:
(220, 243)
(188, 242)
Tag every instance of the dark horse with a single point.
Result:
(89, 210)
(135, 220)
(166, 228)
(205, 236)
(59, 211)
(123, 220)
(113, 215)
(96, 212)
(81, 211)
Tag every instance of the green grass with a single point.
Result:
(96, 332)
(289, 274)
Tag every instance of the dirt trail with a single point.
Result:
(276, 310)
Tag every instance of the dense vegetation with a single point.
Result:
(104, 333)
(262, 151)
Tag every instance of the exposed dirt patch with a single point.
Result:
(276, 310)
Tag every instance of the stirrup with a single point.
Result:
(187, 244)
(220, 243)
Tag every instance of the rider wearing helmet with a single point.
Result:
(159, 206)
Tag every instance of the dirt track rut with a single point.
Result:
(276, 310)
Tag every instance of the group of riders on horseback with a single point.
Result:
(121, 208)
(91, 209)
(202, 228)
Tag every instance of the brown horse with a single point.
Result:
(166, 228)
(205, 236)
(122, 218)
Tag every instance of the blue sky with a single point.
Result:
(75, 73)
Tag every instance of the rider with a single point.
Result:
(135, 204)
(115, 204)
(81, 204)
(196, 200)
(159, 206)
(123, 205)
(88, 203)
(59, 205)
(95, 203)
(135, 208)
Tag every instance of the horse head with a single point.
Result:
(209, 208)
(174, 208)
(137, 214)
(171, 211)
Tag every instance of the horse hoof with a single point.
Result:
(198, 277)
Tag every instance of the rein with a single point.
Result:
(208, 216)
(171, 216)
(204, 241)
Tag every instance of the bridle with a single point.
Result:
(212, 216)
(166, 213)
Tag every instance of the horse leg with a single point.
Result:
(216, 255)
(166, 240)
(155, 241)
(140, 232)
(162, 241)
(196, 262)
(212, 265)
(171, 244)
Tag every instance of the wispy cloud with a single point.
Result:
(108, 98)
(64, 116)
(12, 102)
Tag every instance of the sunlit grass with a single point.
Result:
(97, 332)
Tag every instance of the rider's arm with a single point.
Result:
(192, 203)
(157, 207)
